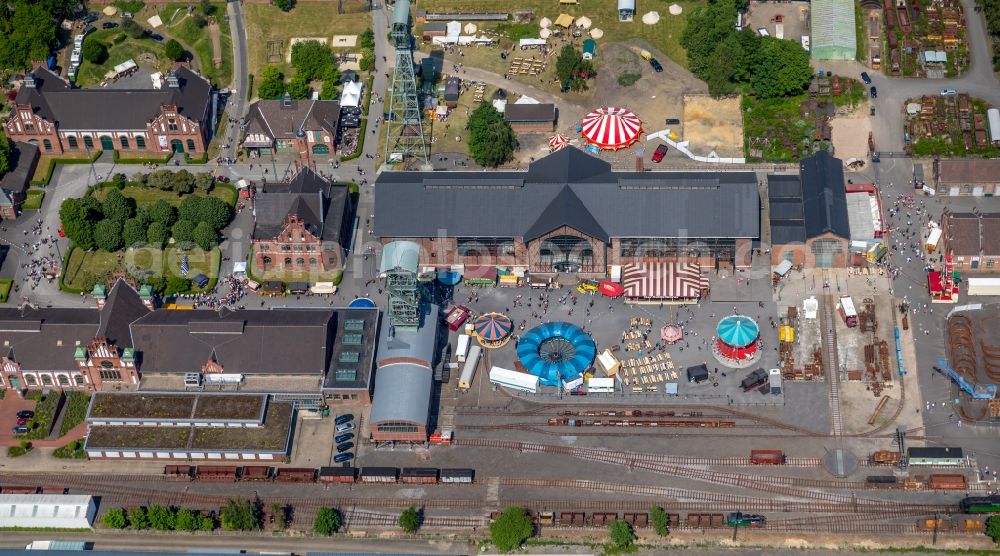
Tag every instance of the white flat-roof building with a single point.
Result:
(57, 511)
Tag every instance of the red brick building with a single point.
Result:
(59, 119)
(972, 239)
(306, 128)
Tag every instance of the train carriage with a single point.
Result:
(465, 476)
(337, 474)
(418, 475)
(296, 475)
(379, 474)
(257, 473)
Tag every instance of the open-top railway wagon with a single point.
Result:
(767, 457)
(232, 473)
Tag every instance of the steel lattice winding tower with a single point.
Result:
(404, 128)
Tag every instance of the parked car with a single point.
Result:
(948, 92)
(25, 414)
(127, 15)
(578, 392)
(340, 458)
(90, 18)
(344, 447)
(873, 91)
(866, 78)
(659, 153)
(344, 437)
(345, 418)
(156, 37)
(673, 121)
(22, 421)
(20, 429)
(109, 25)
(345, 427)
(587, 286)
(656, 65)
(223, 179)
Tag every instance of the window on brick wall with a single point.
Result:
(140, 142)
(111, 374)
(72, 142)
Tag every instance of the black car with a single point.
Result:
(656, 65)
(109, 25)
(344, 437)
(156, 37)
(90, 18)
(20, 429)
(873, 91)
(25, 414)
(345, 418)
(340, 458)
(673, 121)
(344, 447)
(866, 78)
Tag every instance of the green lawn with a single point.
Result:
(5, 285)
(74, 411)
(148, 195)
(73, 450)
(45, 412)
(91, 74)
(199, 42)
(85, 268)
(665, 35)
(34, 200)
(266, 23)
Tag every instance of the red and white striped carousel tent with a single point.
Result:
(557, 142)
(611, 128)
(663, 281)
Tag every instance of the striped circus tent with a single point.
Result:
(611, 128)
(663, 281)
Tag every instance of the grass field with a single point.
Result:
(34, 199)
(148, 195)
(199, 42)
(267, 23)
(91, 74)
(5, 285)
(85, 268)
(665, 35)
(43, 163)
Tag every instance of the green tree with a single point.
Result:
(621, 534)
(311, 59)
(215, 211)
(78, 219)
(179, 284)
(117, 206)
(207, 8)
(491, 139)
(186, 520)
(327, 521)
(163, 212)
(138, 519)
(511, 529)
(157, 235)
(993, 528)
(782, 68)
(661, 521)
(298, 88)
(272, 83)
(132, 29)
(367, 39)
(108, 235)
(280, 514)
(409, 520)
(174, 50)
(204, 236)
(5, 151)
(329, 89)
(707, 27)
(367, 62)
(94, 51)
(572, 69)
(114, 519)
(206, 522)
(27, 32)
(162, 518)
(203, 181)
(239, 515)
(284, 5)
(182, 182)
(199, 20)
(183, 230)
(160, 179)
(136, 231)
(190, 208)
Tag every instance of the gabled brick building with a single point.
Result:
(50, 113)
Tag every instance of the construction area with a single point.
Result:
(925, 39)
(712, 124)
(947, 125)
(973, 340)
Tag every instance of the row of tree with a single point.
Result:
(161, 518)
(312, 61)
(731, 61)
(991, 13)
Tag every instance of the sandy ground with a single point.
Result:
(794, 15)
(215, 34)
(713, 125)
(850, 136)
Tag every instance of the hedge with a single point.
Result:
(5, 285)
(249, 87)
(62, 275)
(143, 160)
(54, 161)
(34, 200)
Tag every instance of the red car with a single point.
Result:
(22, 421)
(61, 232)
(659, 153)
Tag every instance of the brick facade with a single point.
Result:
(296, 249)
(99, 365)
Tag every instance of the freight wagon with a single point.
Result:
(457, 476)
(178, 472)
(250, 473)
(379, 474)
(601, 519)
(296, 475)
(337, 474)
(885, 457)
(980, 504)
(706, 521)
(419, 475)
(573, 519)
(767, 457)
(257, 473)
(954, 524)
(947, 482)
(881, 481)
(637, 520)
(217, 473)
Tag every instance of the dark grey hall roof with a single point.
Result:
(529, 112)
(283, 119)
(319, 203)
(824, 196)
(280, 341)
(571, 188)
(113, 109)
(23, 159)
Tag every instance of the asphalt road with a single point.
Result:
(238, 100)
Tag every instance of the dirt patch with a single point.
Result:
(850, 136)
(216, 35)
(711, 124)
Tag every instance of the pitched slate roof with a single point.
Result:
(319, 203)
(122, 307)
(973, 235)
(24, 158)
(823, 195)
(969, 170)
(569, 188)
(112, 109)
(247, 341)
(529, 112)
(283, 119)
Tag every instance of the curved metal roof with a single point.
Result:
(402, 393)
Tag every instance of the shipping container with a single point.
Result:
(379, 474)
(337, 474)
(421, 475)
(469, 370)
(982, 286)
(257, 473)
(296, 475)
(458, 475)
(847, 311)
(947, 482)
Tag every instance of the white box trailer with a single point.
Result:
(933, 238)
(983, 286)
(993, 117)
(469, 371)
(573, 384)
(463, 347)
(512, 379)
(600, 385)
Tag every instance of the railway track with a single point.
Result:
(831, 364)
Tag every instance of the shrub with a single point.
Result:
(327, 521)
(114, 519)
(628, 79)
(511, 529)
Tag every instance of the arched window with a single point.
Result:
(123, 139)
(30, 380)
(288, 260)
(78, 379)
(566, 253)
(88, 141)
(46, 380)
(140, 142)
(312, 261)
(267, 261)
(191, 147)
(63, 380)
(47, 144)
(72, 142)
(300, 261)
